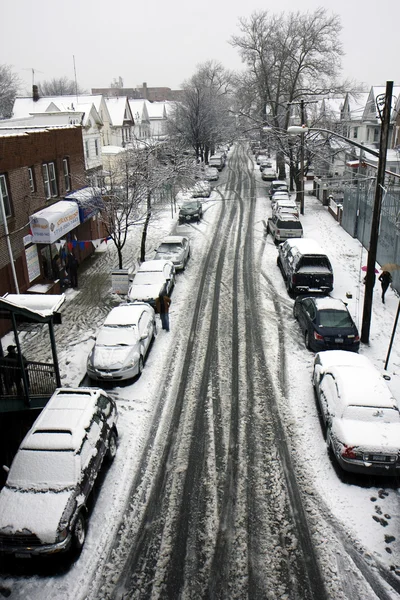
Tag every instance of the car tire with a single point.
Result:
(112, 447)
(79, 533)
(307, 340)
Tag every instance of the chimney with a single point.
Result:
(35, 93)
(145, 91)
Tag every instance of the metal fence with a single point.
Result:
(41, 379)
(358, 204)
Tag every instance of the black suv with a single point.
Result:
(305, 267)
(43, 505)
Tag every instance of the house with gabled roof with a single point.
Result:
(122, 121)
(140, 114)
(158, 117)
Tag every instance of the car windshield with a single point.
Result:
(190, 205)
(335, 318)
(120, 335)
(43, 470)
(173, 247)
(372, 414)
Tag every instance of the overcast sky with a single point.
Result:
(162, 41)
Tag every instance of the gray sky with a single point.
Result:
(162, 41)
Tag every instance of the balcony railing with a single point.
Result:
(40, 379)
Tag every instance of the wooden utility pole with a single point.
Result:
(373, 244)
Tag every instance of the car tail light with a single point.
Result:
(348, 452)
(356, 338)
(318, 337)
(278, 232)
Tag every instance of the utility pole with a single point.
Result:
(373, 244)
(303, 122)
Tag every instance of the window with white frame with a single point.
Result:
(32, 182)
(46, 181)
(67, 175)
(355, 133)
(96, 147)
(87, 149)
(53, 180)
(5, 196)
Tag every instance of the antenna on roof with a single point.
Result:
(76, 82)
(33, 73)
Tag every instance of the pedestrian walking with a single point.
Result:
(386, 279)
(163, 303)
(72, 269)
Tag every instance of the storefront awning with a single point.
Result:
(50, 224)
(37, 308)
(89, 200)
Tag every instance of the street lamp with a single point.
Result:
(380, 179)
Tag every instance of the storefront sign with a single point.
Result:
(120, 281)
(32, 262)
(51, 223)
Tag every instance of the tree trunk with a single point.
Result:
(145, 228)
(119, 250)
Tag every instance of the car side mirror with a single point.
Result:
(143, 337)
(6, 469)
(387, 377)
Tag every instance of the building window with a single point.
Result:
(96, 147)
(376, 134)
(46, 181)
(355, 133)
(50, 180)
(6, 197)
(87, 149)
(67, 175)
(53, 180)
(32, 182)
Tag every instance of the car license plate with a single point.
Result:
(339, 340)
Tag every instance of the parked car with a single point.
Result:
(283, 226)
(217, 161)
(280, 196)
(278, 185)
(360, 416)
(264, 163)
(44, 503)
(175, 248)
(151, 278)
(305, 267)
(289, 205)
(190, 211)
(326, 324)
(122, 343)
(184, 195)
(268, 173)
(201, 189)
(211, 174)
(261, 156)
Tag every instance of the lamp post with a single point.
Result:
(370, 276)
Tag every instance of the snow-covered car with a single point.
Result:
(268, 173)
(326, 324)
(283, 226)
(151, 279)
(217, 161)
(201, 189)
(360, 415)
(44, 503)
(288, 204)
(122, 343)
(264, 163)
(190, 211)
(184, 195)
(211, 174)
(277, 185)
(175, 248)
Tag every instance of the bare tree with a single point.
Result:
(289, 57)
(59, 86)
(9, 86)
(202, 118)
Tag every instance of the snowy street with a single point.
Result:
(222, 486)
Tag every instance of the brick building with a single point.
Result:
(39, 170)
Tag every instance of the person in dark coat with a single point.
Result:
(13, 370)
(386, 279)
(72, 269)
(163, 303)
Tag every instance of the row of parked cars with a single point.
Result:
(44, 505)
(359, 414)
